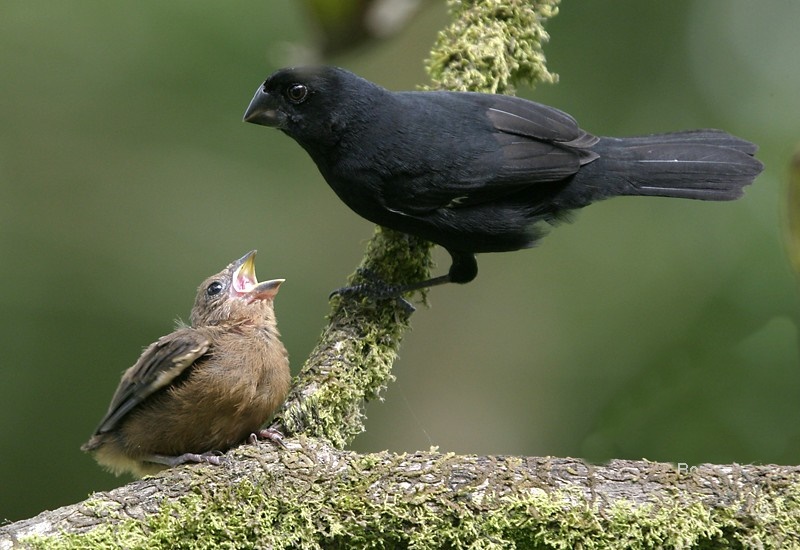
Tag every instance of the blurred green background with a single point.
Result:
(653, 328)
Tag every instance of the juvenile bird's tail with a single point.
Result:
(696, 164)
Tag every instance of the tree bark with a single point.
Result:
(312, 495)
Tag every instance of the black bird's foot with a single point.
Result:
(376, 288)
(211, 457)
(272, 434)
(373, 286)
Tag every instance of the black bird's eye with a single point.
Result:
(297, 93)
(214, 288)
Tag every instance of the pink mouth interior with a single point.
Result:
(243, 283)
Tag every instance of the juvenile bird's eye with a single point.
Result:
(297, 93)
(214, 288)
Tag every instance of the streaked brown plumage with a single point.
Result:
(203, 388)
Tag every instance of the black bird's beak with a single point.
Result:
(263, 110)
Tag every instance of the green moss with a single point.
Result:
(341, 512)
(491, 44)
(352, 362)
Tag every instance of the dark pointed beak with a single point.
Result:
(264, 111)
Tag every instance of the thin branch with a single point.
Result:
(352, 362)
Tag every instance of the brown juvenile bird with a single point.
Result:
(203, 388)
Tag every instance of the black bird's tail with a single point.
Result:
(697, 164)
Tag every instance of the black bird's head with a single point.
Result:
(310, 104)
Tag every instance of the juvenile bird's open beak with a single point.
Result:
(246, 285)
(262, 110)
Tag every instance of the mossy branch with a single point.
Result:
(352, 362)
(489, 45)
(312, 495)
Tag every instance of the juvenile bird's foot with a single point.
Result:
(376, 288)
(211, 457)
(268, 433)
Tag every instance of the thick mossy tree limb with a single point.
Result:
(315, 495)
(489, 45)
(312, 495)
(352, 362)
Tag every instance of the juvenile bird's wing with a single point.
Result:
(159, 365)
(496, 145)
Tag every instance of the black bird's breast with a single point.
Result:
(411, 154)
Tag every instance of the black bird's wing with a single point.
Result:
(497, 145)
(538, 143)
(158, 366)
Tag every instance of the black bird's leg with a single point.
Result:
(463, 269)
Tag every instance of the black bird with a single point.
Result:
(476, 172)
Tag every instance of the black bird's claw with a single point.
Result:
(376, 288)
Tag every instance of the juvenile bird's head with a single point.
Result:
(313, 105)
(234, 295)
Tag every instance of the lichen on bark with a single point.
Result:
(491, 45)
